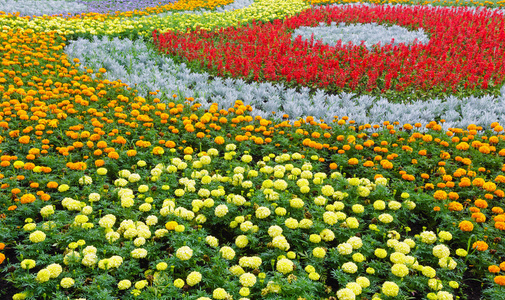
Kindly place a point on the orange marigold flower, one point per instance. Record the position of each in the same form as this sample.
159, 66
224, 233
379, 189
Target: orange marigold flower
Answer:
500, 280
12, 207
480, 246
499, 218
489, 186
101, 144
333, 166
170, 144
499, 193
2, 258
497, 210
453, 196
353, 161
2, 246
27, 198
466, 226
52, 185
368, 163
500, 226
219, 140
479, 217
436, 208
113, 155
474, 209
99, 162
480, 203
440, 195
478, 182
24, 139
29, 166
158, 151
502, 266
259, 141
493, 269
455, 206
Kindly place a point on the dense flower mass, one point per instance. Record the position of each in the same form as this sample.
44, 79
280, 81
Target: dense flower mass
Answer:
127, 191
273, 56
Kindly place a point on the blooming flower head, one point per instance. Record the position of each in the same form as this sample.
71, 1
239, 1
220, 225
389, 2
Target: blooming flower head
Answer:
54, 270
345, 248
124, 284
67, 282
319, 252
346, 294
227, 252
429, 272
428, 237
262, 212
441, 251
356, 242
327, 235
354, 287
350, 267
194, 278
28, 264
184, 253
179, 283
380, 253
219, 293
241, 241
221, 210
390, 289
480, 245
284, 266
400, 270
212, 241
237, 270
379, 205
363, 281
37, 236
386, 218
43, 275
247, 279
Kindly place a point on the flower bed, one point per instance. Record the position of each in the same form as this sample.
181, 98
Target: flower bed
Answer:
462, 57
109, 194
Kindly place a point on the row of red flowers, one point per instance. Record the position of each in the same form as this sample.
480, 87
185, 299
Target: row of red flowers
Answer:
465, 52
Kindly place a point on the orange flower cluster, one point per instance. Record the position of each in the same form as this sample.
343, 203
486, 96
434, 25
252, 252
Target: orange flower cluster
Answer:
2, 256
480, 246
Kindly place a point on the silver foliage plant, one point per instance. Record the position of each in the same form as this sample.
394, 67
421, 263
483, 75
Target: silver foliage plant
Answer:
39, 8
369, 34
